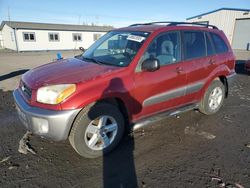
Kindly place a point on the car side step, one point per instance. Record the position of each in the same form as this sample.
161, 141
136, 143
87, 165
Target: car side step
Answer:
155, 118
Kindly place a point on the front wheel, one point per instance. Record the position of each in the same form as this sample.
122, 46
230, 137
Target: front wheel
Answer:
97, 130
213, 98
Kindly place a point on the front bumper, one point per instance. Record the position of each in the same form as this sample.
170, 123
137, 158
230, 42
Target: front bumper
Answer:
54, 125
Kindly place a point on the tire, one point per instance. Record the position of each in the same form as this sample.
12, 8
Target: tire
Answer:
90, 136
208, 104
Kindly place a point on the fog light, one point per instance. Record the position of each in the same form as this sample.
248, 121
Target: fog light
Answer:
42, 125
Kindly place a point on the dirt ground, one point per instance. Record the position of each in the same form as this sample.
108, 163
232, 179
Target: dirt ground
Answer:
190, 150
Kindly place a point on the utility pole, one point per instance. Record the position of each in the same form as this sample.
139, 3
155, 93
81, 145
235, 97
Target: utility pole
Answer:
15, 35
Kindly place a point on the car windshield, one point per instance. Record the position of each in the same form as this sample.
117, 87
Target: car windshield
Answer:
117, 48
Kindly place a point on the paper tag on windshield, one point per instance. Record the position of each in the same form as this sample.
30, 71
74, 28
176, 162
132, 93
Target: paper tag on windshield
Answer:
135, 38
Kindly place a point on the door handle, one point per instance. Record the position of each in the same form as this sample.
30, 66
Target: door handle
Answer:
179, 70
211, 62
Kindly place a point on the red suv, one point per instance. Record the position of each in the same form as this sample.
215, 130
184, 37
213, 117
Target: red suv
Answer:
128, 78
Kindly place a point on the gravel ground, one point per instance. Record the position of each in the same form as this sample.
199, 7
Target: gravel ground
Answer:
191, 150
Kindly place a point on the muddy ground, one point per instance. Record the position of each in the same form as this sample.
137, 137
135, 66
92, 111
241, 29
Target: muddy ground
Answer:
190, 150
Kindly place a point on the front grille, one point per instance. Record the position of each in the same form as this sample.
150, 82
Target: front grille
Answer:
26, 90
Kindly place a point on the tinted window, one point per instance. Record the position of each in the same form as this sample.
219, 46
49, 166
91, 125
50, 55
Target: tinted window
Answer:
219, 44
210, 50
194, 45
165, 48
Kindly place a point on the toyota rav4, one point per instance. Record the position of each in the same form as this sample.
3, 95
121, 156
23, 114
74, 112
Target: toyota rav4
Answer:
128, 78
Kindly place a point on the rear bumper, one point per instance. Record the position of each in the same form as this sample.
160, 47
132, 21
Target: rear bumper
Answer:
54, 125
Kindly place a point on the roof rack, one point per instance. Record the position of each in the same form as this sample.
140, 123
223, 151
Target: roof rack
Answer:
150, 23
192, 23
175, 24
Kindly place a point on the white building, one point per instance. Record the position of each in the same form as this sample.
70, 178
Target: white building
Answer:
234, 22
28, 36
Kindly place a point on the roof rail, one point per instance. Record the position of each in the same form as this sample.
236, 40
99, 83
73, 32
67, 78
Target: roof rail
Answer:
137, 24
192, 23
150, 23
169, 23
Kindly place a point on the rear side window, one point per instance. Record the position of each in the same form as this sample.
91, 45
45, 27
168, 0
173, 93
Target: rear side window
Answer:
194, 44
210, 50
219, 44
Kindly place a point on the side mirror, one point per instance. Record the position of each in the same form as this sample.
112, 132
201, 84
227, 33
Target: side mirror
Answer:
150, 65
82, 49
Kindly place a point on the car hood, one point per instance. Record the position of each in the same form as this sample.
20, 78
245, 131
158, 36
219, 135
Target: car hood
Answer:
66, 71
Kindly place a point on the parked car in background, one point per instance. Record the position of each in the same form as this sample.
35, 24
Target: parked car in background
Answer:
128, 78
247, 66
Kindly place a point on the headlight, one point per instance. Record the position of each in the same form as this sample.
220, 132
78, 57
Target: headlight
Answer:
55, 94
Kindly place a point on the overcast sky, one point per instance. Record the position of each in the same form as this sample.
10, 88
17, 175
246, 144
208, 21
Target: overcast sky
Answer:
110, 12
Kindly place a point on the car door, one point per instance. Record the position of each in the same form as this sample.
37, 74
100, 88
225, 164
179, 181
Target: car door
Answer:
164, 88
195, 55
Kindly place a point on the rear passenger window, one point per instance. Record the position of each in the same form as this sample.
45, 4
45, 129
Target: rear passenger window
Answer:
210, 50
219, 44
194, 44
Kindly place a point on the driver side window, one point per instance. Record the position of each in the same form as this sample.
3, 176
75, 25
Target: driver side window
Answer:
165, 48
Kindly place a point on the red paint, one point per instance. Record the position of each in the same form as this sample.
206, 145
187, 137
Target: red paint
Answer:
97, 82
247, 66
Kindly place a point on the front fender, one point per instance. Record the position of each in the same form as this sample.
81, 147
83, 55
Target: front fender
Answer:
114, 88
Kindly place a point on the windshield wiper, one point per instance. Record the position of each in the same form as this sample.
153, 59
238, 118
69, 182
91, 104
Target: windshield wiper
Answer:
99, 62
93, 60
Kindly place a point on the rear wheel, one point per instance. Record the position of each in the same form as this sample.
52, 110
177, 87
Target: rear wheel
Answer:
213, 98
97, 130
